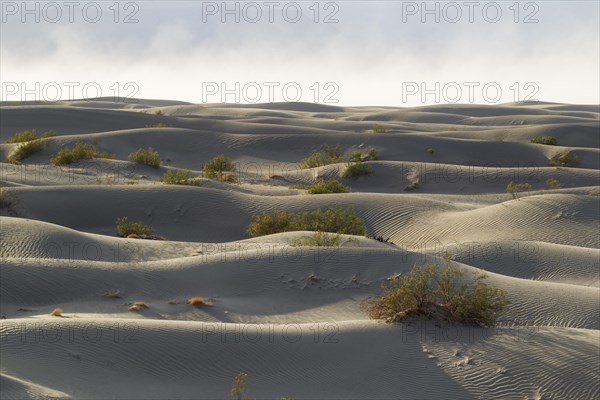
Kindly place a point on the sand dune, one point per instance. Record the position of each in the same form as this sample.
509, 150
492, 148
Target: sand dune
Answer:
279, 311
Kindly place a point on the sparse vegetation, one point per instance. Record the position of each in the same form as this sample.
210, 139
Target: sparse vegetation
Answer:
6, 201
379, 129
353, 171
180, 177
564, 159
158, 125
137, 306
126, 228
326, 187
547, 140
323, 156
199, 301
372, 154
440, 294
146, 157
335, 220
158, 112
355, 156
27, 136
320, 239
239, 387
430, 151
413, 186
552, 183
515, 188
215, 168
80, 151
57, 312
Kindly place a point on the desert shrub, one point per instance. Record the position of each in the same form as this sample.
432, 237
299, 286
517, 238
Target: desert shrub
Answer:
138, 306
323, 156
379, 129
6, 201
158, 125
548, 140
26, 149
428, 291
126, 228
27, 136
553, 183
329, 186
215, 167
199, 301
595, 192
320, 239
355, 156
57, 312
81, 151
353, 171
371, 154
180, 177
430, 151
146, 157
335, 220
158, 112
564, 159
413, 186
515, 188
239, 387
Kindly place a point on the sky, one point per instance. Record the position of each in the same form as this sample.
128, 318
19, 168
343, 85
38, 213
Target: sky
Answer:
347, 53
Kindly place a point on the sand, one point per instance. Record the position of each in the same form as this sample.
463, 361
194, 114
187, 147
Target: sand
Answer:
291, 317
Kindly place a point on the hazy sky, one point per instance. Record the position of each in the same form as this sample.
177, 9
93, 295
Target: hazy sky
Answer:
341, 52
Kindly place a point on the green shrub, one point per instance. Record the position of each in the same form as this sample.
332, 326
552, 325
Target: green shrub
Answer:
146, 157
353, 171
26, 149
239, 387
371, 154
548, 140
180, 177
81, 151
379, 129
158, 125
126, 228
335, 220
413, 186
214, 168
553, 183
27, 136
430, 151
158, 112
323, 156
564, 159
320, 239
515, 188
355, 156
439, 294
326, 187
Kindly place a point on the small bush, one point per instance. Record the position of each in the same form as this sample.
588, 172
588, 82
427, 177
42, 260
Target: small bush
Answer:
564, 159
27, 136
353, 171
138, 306
335, 220
326, 187
57, 312
553, 183
239, 387
126, 228
413, 186
515, 188
158, 112
6, 201
430, 151
199, 301
355, 156
548, 140
26, 149
440, 294
180, 177
372, 154
215, 168
81, 151
379, 129
320, 239
146, 157
323, 156
158, 125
